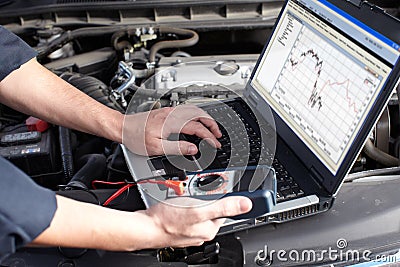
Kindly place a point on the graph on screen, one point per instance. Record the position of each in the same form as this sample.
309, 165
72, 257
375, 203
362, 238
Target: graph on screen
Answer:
323, 89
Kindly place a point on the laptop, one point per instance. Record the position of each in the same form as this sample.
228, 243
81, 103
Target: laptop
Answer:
319, 86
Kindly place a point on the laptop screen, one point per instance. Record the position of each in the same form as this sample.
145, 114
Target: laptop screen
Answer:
321, 73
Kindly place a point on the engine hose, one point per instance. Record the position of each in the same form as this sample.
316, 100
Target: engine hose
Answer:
192, 40
378, 155
94, 88
119, 45
376, 172
66, 153
96, 31
93, 168
148, 105
78, 33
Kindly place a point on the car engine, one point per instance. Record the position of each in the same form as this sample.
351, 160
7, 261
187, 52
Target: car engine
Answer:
137, 66
112, 75
110, 64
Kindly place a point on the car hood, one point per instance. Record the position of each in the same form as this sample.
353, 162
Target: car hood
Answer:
193, 14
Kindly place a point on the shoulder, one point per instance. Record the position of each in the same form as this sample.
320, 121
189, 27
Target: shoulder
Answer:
13, 52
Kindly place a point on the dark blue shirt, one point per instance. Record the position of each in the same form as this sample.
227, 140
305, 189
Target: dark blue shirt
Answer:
13, 52
26, 209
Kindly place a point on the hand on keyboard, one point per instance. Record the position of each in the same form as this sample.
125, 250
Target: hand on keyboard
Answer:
240, 142
147, 133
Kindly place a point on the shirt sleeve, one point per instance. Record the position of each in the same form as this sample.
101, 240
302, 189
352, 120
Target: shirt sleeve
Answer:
13, 52
26, 209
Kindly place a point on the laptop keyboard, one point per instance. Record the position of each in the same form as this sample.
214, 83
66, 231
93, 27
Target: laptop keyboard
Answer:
242, 148
287, 188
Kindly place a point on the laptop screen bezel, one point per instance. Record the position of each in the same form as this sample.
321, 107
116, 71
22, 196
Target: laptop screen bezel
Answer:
374, 18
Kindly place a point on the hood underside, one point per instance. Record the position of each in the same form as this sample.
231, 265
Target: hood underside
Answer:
16, 14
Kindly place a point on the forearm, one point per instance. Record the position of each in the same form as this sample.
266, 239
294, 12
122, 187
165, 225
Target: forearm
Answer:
34, 90
78, 224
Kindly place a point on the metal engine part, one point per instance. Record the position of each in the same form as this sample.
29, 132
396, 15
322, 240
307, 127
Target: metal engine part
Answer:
226, 70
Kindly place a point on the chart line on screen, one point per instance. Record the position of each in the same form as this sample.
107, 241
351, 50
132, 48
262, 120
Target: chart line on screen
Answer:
319, 86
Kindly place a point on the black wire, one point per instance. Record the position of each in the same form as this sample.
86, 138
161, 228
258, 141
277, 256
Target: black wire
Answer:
144, 179
9, 120
12, 129
72, 187
46, 174
116, 170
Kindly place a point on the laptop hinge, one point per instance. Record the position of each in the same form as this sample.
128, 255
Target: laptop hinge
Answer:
356, 2
251, 98
317, 177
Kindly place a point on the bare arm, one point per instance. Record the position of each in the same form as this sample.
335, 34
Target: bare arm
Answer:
78, 224
34, 90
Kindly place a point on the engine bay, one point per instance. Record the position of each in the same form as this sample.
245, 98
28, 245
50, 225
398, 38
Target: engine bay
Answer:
111, 62
52, 155
112, 75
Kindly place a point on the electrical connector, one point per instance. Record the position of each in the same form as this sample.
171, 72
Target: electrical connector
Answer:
35, 124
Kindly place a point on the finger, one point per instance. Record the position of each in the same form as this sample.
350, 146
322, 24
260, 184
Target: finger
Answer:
178, 148
226, 207
232, 206
212, 125
198, 129
196, 113
208, 121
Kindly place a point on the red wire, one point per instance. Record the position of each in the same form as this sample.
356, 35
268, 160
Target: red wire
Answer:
117, 194
177, 186
94, 182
